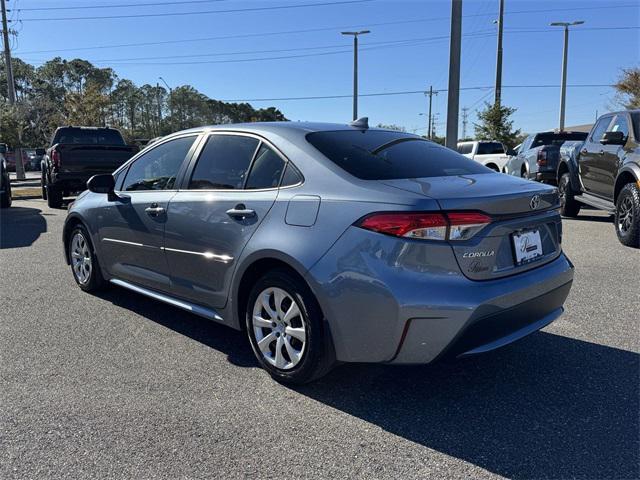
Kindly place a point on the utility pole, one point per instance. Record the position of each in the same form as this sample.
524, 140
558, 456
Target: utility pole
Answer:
159, 108
465, 113
430, 94
11, 88
498, 91
563, 88
355, 68
453, 97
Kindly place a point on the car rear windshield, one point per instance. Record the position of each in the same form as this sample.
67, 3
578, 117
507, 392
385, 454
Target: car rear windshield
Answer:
490, 148
383, 155
557, 138
88, 136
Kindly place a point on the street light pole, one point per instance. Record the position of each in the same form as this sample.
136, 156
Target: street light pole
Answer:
498, 93
563, 88
453, 99
355, 68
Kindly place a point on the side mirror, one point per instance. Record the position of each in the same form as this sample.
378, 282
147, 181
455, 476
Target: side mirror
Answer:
40, 151
102, 184
613, 138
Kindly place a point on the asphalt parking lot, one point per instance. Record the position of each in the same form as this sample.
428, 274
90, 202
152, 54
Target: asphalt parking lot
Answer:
119, 386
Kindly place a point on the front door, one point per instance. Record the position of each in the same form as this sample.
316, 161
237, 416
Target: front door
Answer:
228, 192
590, 160
131, 228
610, 159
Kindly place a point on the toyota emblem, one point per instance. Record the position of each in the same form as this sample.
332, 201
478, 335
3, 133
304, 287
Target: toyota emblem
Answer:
535, 202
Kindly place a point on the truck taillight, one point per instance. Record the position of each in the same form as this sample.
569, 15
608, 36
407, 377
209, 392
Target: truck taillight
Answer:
426, 226
55, 159
542, 157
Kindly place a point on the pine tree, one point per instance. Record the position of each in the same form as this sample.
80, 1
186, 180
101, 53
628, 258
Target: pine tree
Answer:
494, 124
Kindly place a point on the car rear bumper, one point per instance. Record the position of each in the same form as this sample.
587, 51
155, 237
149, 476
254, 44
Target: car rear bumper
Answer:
385, 304
71, 181
546, 176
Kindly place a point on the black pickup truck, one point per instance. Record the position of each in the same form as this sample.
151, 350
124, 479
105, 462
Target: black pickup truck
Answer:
604, 172
75, 155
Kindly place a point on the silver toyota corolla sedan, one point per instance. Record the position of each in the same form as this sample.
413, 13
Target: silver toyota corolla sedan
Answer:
327, 243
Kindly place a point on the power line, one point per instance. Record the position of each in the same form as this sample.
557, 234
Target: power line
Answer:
126, 5
205, 12
406, 92
279, 7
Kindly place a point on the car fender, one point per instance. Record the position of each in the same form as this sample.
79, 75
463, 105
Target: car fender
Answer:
626, 170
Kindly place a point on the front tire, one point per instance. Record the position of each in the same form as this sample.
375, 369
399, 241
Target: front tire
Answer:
286, 329
627, 219
84, 262
54, 196
569, 206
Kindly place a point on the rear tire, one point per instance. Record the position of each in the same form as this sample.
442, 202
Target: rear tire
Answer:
5, 198
569, 206
286, 329
43, 185
54, 197
627, 219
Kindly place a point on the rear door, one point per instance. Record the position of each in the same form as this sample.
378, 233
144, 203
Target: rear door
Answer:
590, 161
227, 192
131, 228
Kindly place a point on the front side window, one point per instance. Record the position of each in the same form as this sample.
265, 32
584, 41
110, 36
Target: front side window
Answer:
600, 128
157, 169
384, 155
620, 125
223, 163
266, 170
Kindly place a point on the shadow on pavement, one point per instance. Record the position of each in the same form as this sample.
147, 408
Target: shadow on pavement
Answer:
546, 407
20, 226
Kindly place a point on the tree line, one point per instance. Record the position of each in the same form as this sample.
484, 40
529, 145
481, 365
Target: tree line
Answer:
75, 92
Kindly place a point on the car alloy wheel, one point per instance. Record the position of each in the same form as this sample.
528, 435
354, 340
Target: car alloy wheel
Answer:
81, 258
279, 328
625, 215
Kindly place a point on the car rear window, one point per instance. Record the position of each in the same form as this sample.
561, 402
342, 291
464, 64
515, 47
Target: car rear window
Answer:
384, 155
86, 136
557, 138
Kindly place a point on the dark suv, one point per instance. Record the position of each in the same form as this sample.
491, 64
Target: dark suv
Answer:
604, 172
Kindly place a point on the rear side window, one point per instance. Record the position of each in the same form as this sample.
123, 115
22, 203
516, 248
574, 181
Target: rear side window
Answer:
224, 162
383, 155
465, 148
266, 170
490, 148
291, 176
157, 169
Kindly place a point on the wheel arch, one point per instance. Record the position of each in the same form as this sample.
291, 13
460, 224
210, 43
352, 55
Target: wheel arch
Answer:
627, 175
72, 221
252, 269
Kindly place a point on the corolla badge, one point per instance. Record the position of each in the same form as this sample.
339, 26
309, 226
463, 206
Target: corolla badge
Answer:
535, 202
486, 253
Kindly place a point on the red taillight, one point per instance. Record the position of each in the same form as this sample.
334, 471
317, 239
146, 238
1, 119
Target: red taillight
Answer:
55, 159
427, 226
542, 157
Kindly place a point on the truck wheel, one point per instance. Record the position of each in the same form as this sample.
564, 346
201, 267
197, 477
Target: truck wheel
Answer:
627, 220
569, 206
523, 172
5, 198
54, 197
43, 185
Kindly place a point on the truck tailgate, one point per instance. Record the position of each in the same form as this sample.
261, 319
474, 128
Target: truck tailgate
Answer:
93, 158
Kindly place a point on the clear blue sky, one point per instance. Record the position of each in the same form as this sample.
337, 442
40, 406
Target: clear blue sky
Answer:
417, 59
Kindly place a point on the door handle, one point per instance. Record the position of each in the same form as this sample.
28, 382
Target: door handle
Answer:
240, 211
154, 210
584, 151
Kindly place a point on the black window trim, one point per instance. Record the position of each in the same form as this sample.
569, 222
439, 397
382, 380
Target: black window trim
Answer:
261, 140
124, 168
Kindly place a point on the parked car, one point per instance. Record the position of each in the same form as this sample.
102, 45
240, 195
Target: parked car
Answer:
5, 183
75, 155
326, 243
34, 159
493, 155
604, 172
538, 156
